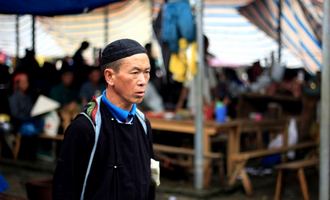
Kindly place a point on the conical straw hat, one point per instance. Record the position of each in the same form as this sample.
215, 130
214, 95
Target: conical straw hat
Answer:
44, 105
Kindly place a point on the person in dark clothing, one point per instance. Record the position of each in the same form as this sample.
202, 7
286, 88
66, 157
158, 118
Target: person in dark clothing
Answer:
107, 150
29, 65
79, 64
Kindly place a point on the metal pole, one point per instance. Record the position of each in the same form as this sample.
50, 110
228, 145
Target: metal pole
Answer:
325, 109
17, 37
106, 25
279, 31
199, 100
33, 33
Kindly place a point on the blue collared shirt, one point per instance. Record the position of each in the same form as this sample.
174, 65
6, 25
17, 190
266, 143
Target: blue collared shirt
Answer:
121, 115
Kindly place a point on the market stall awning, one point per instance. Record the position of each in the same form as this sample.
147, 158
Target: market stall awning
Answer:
50, 7
61, 35
235, 40
301, 26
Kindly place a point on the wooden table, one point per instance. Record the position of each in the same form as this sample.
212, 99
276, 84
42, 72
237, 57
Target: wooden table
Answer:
237, 159
188, 127
248, 126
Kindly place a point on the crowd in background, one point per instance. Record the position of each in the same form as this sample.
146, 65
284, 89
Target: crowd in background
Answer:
76, 83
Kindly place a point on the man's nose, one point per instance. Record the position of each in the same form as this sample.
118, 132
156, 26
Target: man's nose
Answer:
143, 79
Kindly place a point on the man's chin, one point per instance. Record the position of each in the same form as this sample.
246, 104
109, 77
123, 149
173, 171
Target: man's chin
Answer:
137, 100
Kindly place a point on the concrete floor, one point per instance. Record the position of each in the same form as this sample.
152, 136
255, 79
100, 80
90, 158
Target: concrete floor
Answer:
17, 173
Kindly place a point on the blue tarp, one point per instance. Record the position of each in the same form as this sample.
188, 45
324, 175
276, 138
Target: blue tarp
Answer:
50, 7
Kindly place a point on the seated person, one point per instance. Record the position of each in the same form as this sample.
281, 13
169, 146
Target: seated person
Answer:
21, 103
93, 87
67, 96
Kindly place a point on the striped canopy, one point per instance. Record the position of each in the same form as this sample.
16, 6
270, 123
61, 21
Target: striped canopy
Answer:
301, 26
235, 37
61, 35
235, 40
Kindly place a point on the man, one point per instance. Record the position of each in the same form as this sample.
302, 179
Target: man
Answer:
117, 166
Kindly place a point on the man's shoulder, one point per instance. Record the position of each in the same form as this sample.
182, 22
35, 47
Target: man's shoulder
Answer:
81, 124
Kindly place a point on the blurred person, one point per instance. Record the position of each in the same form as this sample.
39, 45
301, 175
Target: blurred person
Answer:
80, 65
93, 87
29, 65
187, 95
66, 94
50, 77
21, 103
107, 150
152, 100
78, 58
4, 87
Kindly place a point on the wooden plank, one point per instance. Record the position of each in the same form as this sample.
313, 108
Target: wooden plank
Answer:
55, 137
184, 151
181, 126
298, 164
264, 152
172, 149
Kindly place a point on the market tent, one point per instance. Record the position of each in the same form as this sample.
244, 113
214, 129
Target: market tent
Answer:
235, 40
301, 26
50, 7
46, 45
61, 35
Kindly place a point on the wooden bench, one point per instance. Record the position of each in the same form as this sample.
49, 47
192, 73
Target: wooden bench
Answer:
161, 152
298, 166
4, 196
58, 137
241, 159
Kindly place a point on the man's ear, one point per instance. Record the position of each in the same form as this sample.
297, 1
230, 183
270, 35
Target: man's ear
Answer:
109, 75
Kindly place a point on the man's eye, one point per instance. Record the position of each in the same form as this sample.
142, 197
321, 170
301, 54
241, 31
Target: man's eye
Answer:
135, 72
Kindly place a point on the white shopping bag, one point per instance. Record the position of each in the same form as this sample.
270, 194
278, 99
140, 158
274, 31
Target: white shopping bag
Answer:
155, 172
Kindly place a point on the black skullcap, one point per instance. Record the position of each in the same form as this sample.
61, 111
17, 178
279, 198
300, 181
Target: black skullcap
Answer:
120, 49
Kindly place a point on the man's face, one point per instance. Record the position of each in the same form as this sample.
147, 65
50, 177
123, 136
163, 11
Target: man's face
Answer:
129, 83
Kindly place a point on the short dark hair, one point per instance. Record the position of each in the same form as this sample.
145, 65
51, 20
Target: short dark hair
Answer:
115, 65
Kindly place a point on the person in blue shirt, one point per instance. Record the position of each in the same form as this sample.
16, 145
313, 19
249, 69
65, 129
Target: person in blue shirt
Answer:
107, 150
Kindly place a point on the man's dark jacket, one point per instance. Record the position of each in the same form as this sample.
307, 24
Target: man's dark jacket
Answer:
121, 165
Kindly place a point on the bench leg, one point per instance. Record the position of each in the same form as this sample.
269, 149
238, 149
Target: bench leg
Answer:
278, 188
303, 184
207, 173
237, 170
221, 171
17, 146
246, 182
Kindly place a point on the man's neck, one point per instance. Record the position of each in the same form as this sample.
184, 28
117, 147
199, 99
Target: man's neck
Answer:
115, 100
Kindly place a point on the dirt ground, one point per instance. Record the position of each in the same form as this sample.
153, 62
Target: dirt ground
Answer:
174, 185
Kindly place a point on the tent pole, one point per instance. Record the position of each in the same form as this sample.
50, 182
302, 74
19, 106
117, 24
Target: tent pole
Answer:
325, 109
198, 139
33, 33
17, 37
279, 31
106, 25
